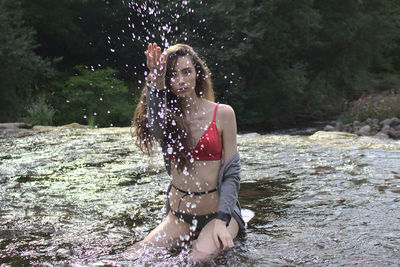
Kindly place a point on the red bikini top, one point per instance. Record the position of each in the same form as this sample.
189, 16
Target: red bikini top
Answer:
209, 146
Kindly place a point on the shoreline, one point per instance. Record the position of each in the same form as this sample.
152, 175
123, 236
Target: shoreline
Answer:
388, 128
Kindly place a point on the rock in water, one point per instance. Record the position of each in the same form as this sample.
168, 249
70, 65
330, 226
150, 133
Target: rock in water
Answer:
365, 130
394, 134
329, 128
331, 135
14, 125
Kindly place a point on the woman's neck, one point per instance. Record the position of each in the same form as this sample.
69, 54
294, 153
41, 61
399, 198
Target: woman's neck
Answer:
192, 106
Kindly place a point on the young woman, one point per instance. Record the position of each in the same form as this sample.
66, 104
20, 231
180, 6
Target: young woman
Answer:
198, 140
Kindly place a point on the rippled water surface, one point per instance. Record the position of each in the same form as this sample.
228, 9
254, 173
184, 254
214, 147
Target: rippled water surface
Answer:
82, 196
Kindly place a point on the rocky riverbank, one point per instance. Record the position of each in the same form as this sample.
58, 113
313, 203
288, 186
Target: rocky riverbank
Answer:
11, 127
389, 128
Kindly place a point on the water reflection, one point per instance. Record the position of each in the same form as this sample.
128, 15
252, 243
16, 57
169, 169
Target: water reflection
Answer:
81, 196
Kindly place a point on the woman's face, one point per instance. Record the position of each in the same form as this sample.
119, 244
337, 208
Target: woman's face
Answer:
183, 77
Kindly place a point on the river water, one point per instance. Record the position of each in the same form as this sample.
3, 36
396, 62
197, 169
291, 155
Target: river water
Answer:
78, 196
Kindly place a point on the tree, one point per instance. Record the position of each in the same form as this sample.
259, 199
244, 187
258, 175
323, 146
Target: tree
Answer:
21, 69
280, 61
93, 97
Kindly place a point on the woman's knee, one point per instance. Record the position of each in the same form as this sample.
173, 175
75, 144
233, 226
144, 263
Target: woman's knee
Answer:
168, 233
199, 255
204, 247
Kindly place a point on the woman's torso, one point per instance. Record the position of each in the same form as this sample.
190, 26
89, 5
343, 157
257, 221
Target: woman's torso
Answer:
202, 176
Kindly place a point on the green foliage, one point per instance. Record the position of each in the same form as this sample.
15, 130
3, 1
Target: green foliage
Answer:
277, 62
93, 97
40, 113
90, 32
266, 51
293, 60
385, 81
21, 69
380, 106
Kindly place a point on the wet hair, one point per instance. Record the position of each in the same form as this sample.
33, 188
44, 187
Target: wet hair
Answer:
203, 86
177, 135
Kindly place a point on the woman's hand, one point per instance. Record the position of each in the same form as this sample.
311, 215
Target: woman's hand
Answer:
221, 236
157, 64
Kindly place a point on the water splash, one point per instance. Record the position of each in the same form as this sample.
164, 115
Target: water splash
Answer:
83, 195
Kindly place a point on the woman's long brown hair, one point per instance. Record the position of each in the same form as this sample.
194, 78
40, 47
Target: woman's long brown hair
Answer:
177, 137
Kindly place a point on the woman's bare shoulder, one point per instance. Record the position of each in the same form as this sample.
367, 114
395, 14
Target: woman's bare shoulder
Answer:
225, 111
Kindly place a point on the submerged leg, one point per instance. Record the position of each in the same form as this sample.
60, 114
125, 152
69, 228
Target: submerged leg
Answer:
204, 247
171, 232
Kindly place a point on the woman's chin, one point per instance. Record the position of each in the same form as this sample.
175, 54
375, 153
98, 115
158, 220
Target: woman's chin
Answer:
184, 92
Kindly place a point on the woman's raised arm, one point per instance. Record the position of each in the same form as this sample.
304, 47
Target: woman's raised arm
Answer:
156, 95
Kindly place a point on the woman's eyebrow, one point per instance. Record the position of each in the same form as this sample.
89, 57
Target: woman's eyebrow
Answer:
187, 68
184, 69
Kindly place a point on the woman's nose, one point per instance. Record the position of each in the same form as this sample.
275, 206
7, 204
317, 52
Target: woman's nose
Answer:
180, 79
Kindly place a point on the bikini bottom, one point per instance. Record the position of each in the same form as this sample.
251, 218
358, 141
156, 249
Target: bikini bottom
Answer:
197, 221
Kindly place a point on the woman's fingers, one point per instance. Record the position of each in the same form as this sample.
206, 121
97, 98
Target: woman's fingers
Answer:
154, 53
164, 57
148, 62
155, 59
227, 242
158, 54
223, 243
230, 243
216, 240
150, 51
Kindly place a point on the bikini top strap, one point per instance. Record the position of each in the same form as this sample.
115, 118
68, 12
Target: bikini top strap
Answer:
215, 112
